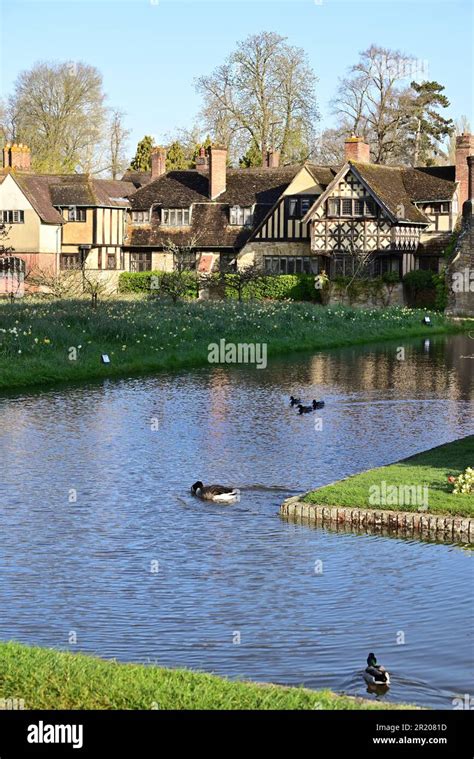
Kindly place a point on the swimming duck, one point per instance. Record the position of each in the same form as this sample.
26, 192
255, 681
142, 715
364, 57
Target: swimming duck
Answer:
294, 401
374, 673
217, 493
308, 409
304, 409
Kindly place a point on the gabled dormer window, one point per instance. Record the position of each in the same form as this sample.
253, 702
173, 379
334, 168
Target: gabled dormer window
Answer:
175, 217
140, 217
241, 216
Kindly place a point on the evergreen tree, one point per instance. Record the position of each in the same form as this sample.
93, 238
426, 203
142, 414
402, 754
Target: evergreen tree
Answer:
426, 128
142, 159
176, 159
253, 157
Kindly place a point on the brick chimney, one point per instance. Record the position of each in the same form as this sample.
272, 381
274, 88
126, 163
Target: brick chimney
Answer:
464, 149
217, 170
158, 162
202, 161
16, 157
356, 149
271, 159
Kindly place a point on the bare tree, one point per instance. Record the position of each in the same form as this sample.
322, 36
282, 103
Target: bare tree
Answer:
262, 95
117, 143
369, 101
185, 257
58, 110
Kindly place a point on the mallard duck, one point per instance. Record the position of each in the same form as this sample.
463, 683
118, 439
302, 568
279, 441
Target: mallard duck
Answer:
217, 493
304, 409
375, 674
294, 401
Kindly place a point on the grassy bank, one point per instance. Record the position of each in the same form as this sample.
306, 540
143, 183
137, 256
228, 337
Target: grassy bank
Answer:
430, 468
47, 679
46, 342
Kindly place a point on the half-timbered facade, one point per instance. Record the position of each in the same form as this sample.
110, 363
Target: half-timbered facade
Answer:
62, 222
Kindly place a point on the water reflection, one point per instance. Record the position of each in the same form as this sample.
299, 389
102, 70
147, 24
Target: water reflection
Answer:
85, 565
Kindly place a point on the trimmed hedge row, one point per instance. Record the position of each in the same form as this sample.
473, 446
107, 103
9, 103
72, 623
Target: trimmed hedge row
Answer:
282, 287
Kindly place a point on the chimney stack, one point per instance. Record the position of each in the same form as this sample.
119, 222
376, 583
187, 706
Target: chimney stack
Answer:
356, 149
464, 149
158, 162
271, 159
217, 170
16, 157
202, 161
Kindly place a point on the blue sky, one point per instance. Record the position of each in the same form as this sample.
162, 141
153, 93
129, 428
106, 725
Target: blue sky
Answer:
149, 51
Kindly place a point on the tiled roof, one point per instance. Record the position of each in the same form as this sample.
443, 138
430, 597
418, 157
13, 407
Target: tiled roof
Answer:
209, 226
210, 219
245, 187
48, 191
137, 178
388, 185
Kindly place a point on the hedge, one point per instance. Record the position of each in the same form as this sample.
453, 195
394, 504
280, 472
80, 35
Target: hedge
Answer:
281, 287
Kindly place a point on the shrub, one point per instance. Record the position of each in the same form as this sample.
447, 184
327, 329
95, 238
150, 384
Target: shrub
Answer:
426, 289
464, 483
152, 282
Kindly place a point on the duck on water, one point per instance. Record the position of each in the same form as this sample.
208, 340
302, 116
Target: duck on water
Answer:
375, 674
216, 493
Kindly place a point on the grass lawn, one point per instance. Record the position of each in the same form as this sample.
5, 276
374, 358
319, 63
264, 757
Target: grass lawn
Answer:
430, 468
44, 342
47, 679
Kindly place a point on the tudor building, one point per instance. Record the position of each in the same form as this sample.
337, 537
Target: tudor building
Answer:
354, 218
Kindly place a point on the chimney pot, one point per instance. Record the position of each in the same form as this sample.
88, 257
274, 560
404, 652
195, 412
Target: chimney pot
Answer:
356, 149
202, 162
272, 159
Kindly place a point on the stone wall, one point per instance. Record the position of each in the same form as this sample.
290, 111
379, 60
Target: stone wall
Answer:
423, 525
460, 271
387, 296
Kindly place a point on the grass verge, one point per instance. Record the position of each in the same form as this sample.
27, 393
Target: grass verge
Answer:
54, 341
48, 679
430, 468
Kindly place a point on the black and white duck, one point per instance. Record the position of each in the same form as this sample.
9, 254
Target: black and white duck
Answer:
294, 401
375, 674
216, 493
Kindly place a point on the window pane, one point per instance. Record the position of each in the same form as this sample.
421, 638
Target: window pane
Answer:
347, 207
298, 266
370, 207
283, 265
333, 207
358, 208
291, 266
292, 207
304, 206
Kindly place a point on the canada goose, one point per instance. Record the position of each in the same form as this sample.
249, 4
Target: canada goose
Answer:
375, 674
294, 401
217, 493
